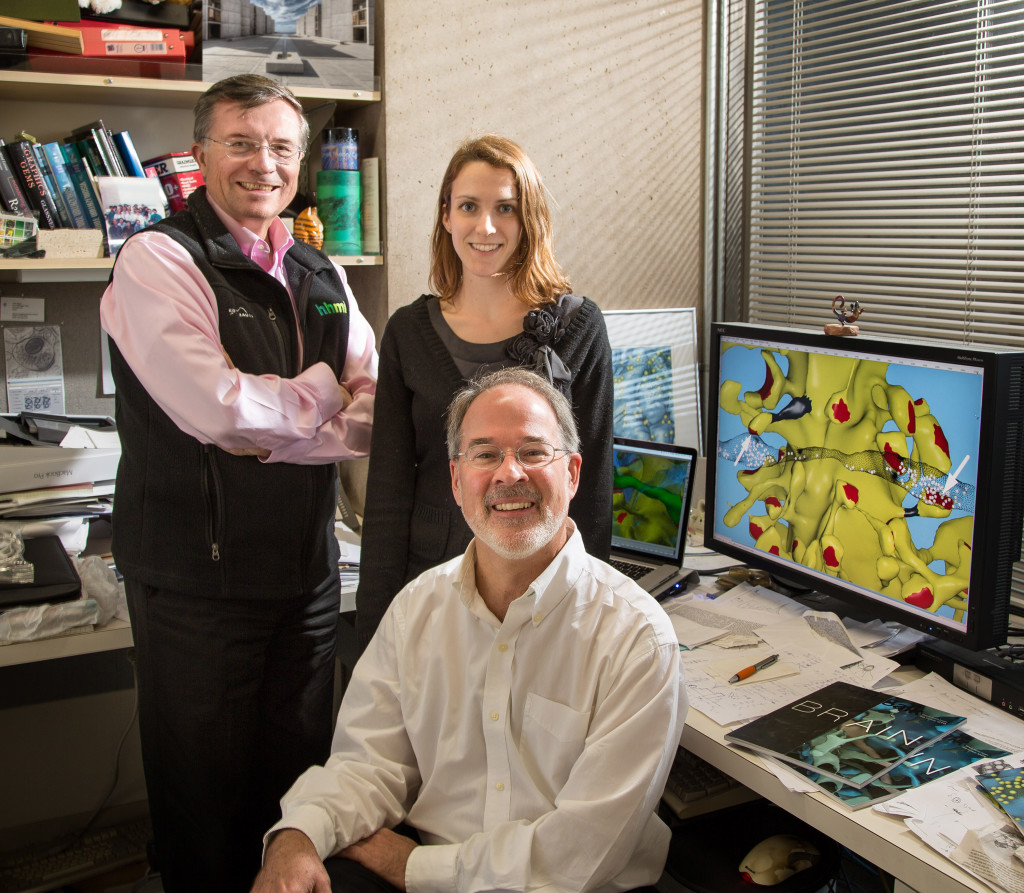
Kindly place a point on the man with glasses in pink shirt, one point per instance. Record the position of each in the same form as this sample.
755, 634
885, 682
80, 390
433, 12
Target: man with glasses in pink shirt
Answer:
244, 372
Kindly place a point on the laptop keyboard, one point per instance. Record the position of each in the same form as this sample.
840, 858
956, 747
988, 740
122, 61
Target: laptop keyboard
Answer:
633, 571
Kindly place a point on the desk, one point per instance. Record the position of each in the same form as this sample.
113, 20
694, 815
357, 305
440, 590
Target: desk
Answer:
882, 840
113, 635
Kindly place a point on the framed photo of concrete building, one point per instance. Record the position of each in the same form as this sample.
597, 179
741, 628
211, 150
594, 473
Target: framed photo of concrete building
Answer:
654, 366
325, 44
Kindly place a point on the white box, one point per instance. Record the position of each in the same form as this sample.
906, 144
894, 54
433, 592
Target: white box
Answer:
34, 467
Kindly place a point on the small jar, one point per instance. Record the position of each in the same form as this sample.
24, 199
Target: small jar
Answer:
340, 149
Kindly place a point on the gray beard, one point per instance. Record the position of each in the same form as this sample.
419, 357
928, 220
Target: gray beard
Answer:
522, 543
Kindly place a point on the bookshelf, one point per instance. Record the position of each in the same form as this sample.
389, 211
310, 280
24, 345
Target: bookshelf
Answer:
155, 111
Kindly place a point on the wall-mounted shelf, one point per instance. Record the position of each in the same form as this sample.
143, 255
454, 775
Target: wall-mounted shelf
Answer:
38, 86
97, 269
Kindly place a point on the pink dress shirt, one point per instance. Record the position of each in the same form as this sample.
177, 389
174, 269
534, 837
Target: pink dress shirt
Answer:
162, 314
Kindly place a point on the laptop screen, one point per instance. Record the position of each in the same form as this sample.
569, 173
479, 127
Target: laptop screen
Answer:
651, 498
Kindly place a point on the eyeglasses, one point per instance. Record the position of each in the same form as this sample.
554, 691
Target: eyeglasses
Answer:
284, 152
486, 457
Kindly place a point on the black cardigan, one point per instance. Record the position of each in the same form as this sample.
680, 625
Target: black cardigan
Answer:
412, 521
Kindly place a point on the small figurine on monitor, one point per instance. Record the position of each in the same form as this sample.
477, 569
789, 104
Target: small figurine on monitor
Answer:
845, 326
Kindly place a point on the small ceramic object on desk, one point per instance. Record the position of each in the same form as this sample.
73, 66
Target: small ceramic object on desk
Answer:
309, 228
845, 326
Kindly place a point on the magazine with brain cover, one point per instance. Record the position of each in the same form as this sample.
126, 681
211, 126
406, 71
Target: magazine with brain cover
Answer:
846, 733
949, 753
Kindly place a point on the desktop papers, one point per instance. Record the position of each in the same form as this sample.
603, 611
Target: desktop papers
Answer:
955, 819
950, 814
348, 564
760, 614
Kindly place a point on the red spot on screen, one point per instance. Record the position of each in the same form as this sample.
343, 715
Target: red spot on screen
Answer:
840, 411
923, 598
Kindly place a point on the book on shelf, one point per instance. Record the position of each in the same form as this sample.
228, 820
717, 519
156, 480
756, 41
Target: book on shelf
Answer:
63, 216
115, 48
949, 753
90, 154
369, 175
23, 161
95, 134
47, 37
11, 193
65, 187
83, 182
126, 150
845, 732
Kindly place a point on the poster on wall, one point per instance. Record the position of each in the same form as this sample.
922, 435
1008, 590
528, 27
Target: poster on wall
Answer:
654, 366
35, 369
326, 44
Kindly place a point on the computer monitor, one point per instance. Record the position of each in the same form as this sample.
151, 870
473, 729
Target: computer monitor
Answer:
887, 474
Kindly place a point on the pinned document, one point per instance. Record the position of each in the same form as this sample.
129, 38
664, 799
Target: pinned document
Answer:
35, 369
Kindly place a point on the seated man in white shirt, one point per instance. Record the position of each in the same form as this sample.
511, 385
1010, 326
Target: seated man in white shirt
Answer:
519, 707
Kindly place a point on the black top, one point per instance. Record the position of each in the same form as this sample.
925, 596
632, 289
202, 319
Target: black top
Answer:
412, 521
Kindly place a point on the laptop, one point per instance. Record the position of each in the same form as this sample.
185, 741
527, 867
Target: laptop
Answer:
653, 484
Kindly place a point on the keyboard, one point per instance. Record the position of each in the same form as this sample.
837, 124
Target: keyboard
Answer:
50, 866
633, 571
695, 786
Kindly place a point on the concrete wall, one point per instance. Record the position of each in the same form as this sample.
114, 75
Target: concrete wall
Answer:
336, 23
605, 95
371, 16
230, 19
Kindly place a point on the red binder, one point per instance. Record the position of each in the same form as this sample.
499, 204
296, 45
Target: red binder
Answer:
127, 50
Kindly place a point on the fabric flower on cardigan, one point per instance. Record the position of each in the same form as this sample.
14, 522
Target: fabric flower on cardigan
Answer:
542, 328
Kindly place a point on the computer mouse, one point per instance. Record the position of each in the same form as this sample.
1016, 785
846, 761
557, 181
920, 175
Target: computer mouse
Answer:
777, 858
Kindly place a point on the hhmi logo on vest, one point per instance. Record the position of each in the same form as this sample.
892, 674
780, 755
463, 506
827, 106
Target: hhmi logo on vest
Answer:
328, 309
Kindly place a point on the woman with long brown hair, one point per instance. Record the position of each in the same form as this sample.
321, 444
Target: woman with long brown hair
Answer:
500, 299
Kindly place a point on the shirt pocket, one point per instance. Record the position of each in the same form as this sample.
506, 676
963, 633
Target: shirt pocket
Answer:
552, 741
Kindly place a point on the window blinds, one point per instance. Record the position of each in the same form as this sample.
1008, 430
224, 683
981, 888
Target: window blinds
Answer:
886, 165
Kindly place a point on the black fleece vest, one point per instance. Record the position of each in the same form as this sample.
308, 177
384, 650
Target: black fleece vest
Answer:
192, 517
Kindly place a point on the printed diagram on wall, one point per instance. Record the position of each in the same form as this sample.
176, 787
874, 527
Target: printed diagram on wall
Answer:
299, 43
35, 369
654, 368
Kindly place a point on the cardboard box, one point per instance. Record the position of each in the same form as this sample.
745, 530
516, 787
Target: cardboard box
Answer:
178, 173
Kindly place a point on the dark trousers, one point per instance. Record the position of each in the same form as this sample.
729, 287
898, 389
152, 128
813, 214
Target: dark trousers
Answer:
236, 700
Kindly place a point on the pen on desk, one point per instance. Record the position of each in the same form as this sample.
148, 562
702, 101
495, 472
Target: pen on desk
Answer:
751, 670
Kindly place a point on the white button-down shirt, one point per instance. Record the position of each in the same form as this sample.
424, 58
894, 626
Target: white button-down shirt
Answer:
530, 754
